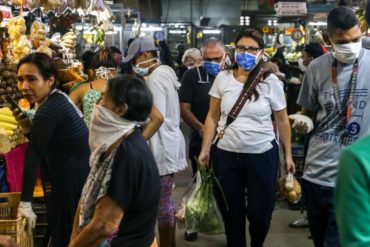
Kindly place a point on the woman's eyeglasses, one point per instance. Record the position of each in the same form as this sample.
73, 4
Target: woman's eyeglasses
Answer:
250, 49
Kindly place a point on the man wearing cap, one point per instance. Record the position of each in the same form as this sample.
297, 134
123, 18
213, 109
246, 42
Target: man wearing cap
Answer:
168, 144
335, 95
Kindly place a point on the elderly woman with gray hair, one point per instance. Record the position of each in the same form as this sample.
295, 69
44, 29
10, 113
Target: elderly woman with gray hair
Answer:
192, 58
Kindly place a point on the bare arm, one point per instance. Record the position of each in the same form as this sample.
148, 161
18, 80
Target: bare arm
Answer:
156, 120
283, 126
77, 95
210, 128
76, 223
189, 118
106, 220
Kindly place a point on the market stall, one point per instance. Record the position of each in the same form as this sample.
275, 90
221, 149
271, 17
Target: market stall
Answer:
63, 30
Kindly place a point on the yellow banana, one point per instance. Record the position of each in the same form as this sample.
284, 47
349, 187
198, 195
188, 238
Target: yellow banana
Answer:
7, 119
8, 126
6, 111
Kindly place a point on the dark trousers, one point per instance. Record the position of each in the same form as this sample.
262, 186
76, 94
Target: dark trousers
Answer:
194, 151
321, 215
256, 174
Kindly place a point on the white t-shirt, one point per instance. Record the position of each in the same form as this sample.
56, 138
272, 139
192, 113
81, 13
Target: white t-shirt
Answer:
252, 130
168, 144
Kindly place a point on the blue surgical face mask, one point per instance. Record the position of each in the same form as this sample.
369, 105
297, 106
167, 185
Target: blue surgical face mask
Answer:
246, 61
212, 68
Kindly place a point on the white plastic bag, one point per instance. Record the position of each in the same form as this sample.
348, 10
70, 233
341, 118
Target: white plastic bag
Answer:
202, 213
189, 193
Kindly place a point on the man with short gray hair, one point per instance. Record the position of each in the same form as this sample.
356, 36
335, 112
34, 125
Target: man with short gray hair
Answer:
194, 98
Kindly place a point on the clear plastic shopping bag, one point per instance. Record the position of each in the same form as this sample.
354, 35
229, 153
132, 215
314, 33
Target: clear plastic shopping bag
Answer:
202, 213
290, 188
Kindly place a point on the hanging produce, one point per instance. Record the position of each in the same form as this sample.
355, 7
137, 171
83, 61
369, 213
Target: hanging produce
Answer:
50, 4
38, 31
69, 47
99, 36
16, 27
104, 15
32, 4
20, 45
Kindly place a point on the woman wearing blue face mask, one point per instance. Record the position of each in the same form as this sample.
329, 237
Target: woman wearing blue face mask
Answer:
246, 156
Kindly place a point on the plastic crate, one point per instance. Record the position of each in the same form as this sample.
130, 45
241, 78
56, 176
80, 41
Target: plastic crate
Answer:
9, 223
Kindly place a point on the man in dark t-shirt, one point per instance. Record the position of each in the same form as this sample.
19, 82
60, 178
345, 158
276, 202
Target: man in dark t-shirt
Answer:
194, 98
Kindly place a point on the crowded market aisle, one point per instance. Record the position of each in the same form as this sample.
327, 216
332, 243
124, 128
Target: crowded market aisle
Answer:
280, 234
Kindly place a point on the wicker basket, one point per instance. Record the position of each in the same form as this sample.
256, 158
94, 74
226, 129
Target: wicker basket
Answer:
9, 224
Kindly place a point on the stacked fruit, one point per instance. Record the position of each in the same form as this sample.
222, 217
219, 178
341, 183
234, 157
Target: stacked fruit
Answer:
9, 125
69, 41
8, 81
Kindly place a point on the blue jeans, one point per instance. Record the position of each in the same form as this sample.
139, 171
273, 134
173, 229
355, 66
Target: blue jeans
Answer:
321, 215
256, 174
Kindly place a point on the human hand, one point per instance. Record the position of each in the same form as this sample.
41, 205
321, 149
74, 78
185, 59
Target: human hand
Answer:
301, 123
289, 164
23, 121
201, 131
25, 211
204, 158
7, 241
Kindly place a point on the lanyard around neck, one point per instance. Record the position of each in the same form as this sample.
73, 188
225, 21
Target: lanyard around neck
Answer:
200, 77
345, 116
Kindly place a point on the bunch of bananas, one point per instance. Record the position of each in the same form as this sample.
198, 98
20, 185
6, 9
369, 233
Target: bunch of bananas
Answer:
362, 20
69, 41
10, 135
99, 36
38, 31
7, 121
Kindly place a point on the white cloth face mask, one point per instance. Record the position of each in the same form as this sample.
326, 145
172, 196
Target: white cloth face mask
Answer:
347, 53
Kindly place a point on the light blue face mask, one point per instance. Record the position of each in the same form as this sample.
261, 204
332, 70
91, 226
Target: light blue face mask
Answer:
246, 61
212, 68
144, 71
